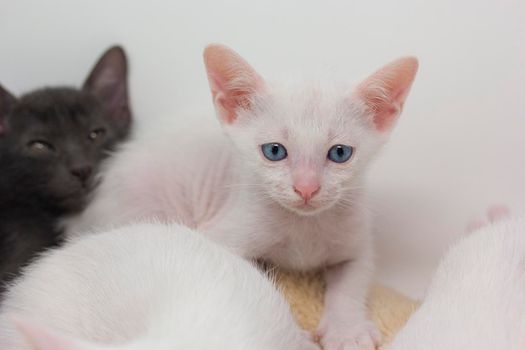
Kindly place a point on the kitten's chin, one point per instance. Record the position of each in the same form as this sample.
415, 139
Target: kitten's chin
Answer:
74, 201
73, 204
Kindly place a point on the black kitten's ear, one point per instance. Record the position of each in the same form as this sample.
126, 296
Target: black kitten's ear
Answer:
7, 100
108, 80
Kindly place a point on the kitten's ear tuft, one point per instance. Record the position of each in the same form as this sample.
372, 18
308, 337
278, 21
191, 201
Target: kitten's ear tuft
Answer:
7, 100
384, 92
109, 81
232, 81
39, 338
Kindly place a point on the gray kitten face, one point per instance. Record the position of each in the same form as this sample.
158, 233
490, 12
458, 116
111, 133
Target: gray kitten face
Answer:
67, 132
63, 134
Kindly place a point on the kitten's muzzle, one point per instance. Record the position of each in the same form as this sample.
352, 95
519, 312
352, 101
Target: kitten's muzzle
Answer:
82, 173
307, 189
306, 182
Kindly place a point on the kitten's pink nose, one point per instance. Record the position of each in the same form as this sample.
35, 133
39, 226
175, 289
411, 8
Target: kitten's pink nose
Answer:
307, 188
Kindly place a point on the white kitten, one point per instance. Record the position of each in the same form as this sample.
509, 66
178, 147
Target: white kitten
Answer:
477, 297
286, 187
147, 287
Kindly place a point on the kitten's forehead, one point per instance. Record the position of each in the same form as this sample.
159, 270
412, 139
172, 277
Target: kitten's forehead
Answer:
62, 108
310, 113
46, 98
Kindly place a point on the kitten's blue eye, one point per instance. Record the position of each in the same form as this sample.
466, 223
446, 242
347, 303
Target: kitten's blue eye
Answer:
340, 153
274, 151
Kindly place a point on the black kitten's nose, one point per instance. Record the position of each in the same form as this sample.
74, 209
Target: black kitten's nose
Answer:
82, 172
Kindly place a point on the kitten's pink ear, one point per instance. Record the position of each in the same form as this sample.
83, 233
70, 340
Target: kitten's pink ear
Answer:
385, 91
6, 103
232, 81
108, 80
39, 338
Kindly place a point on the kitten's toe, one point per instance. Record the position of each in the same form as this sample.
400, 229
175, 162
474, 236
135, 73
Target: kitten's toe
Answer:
494, 214
310, 346
308, 341
498, 212
308, 335
475, 225
363, 336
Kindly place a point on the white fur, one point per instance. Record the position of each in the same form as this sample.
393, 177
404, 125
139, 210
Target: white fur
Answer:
226, 188
477, 297
154, 287
229, 192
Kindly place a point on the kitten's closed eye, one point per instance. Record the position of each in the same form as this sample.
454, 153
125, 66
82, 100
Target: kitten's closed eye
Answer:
40, 147
97, 134
340, 153
274, 151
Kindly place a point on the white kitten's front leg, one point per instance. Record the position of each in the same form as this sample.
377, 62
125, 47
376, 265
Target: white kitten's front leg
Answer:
344, 323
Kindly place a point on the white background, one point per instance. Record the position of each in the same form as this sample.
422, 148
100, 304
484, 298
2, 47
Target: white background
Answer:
458, 145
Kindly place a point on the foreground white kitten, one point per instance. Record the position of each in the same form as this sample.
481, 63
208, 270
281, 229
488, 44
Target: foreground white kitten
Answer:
286, 189
477, 297
147, 287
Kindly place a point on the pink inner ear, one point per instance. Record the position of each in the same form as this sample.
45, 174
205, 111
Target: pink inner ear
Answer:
385, 92
232, 81
228, 100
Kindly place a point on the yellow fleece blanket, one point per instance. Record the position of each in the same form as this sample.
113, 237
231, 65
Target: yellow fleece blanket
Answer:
389, 309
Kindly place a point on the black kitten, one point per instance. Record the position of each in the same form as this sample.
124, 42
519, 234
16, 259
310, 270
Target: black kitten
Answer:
52, 142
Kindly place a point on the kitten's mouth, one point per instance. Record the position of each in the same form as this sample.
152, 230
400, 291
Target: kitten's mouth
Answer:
302, 207
76, 197
305, 207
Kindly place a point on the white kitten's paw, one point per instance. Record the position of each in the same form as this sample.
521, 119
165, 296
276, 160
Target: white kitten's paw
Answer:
310, 345
363, 336
494, 214
498, 212
475, 225
309, 341
308, 335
